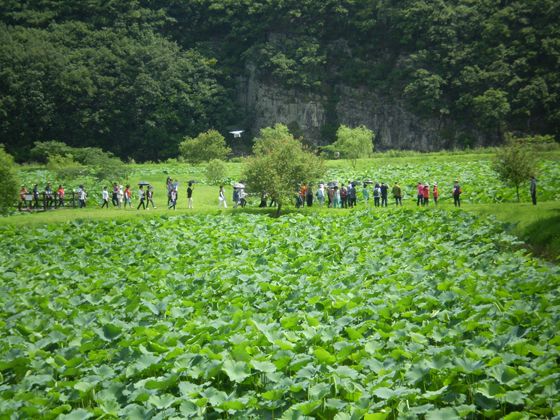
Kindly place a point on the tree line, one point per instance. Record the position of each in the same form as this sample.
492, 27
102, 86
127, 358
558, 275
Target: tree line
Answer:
135, 77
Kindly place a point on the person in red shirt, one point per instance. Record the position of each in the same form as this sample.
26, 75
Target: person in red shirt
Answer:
435, 192
127, 196
426, 194
60, 197
22, 193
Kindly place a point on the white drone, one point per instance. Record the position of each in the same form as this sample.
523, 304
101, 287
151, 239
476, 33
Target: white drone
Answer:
236, 133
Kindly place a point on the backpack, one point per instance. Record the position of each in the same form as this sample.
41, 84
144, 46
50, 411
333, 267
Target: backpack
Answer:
377, 192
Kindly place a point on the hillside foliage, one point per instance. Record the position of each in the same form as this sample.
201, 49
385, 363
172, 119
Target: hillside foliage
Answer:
136, 77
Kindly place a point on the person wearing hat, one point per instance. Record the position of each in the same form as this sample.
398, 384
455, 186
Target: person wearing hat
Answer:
420, 189
384, 190
115, 198
435, 193
397, 194
426, 194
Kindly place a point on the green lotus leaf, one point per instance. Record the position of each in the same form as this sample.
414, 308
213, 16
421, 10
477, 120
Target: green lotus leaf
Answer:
236, 371
79, 414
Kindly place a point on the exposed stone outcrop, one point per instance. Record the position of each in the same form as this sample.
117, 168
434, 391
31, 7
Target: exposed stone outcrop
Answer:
394, 126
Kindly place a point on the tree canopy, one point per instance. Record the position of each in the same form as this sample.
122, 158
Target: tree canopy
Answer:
10, 182
280, 168
135, 77
354, 143
204, 148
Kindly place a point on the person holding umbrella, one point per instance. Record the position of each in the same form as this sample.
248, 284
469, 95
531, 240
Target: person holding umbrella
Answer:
141, 198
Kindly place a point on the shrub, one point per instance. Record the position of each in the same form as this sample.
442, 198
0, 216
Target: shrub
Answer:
216, 171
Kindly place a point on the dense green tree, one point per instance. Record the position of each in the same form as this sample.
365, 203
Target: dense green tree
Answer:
204, 148
514, 164
215, 171
10, 182
279, 169
354, 143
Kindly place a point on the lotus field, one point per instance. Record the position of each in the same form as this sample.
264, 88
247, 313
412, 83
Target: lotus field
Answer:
478, 181
394, 315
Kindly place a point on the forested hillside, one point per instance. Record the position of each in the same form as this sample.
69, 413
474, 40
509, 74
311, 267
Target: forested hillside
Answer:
135, 77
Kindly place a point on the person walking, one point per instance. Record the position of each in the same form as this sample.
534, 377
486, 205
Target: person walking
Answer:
82, 196
384, 191
169, 189
49, 201
457, 194
173, 198
127, 195
336, 197
22, 194
150, 198
426, 194
272, 201
235, 198
222, 197
420, 192
534, 190
435, 194
309, 195
242, 200
397, 194
60, 197
115, 198
330, 195
376, 194
365, 194
105, 197
36, 197
189, 195
141, 198
321, 195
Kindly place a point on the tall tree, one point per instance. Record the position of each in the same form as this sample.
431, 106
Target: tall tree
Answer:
514, 164
204, 148
280, 167
10, 182
354, 143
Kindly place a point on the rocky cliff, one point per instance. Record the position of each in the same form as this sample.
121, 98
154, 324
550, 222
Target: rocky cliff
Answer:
305, 113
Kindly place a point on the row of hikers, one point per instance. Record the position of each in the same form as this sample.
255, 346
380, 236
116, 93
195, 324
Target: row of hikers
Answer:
345, 196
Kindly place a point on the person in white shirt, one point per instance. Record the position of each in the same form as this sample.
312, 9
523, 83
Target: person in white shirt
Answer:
141, 198
242, 195
321, 195
222, 197
105, 196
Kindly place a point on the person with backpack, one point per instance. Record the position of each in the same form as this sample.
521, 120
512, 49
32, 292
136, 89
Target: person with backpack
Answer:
420, 196
141, 198
330, 192
376, 194
105, 197
426, 194
397, 194
384, 191
343, 197
457, 194
435, 193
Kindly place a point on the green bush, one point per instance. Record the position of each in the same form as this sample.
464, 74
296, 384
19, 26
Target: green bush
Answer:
216, 171
10, 182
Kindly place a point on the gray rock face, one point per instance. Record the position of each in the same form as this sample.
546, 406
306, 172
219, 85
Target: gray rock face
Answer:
393, 125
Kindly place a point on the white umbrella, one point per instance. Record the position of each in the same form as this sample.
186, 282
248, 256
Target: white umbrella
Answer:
239, 185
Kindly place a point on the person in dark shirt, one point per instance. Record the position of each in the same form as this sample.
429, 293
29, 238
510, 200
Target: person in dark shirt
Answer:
49, 199
36, 196
384, 190
189, 195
